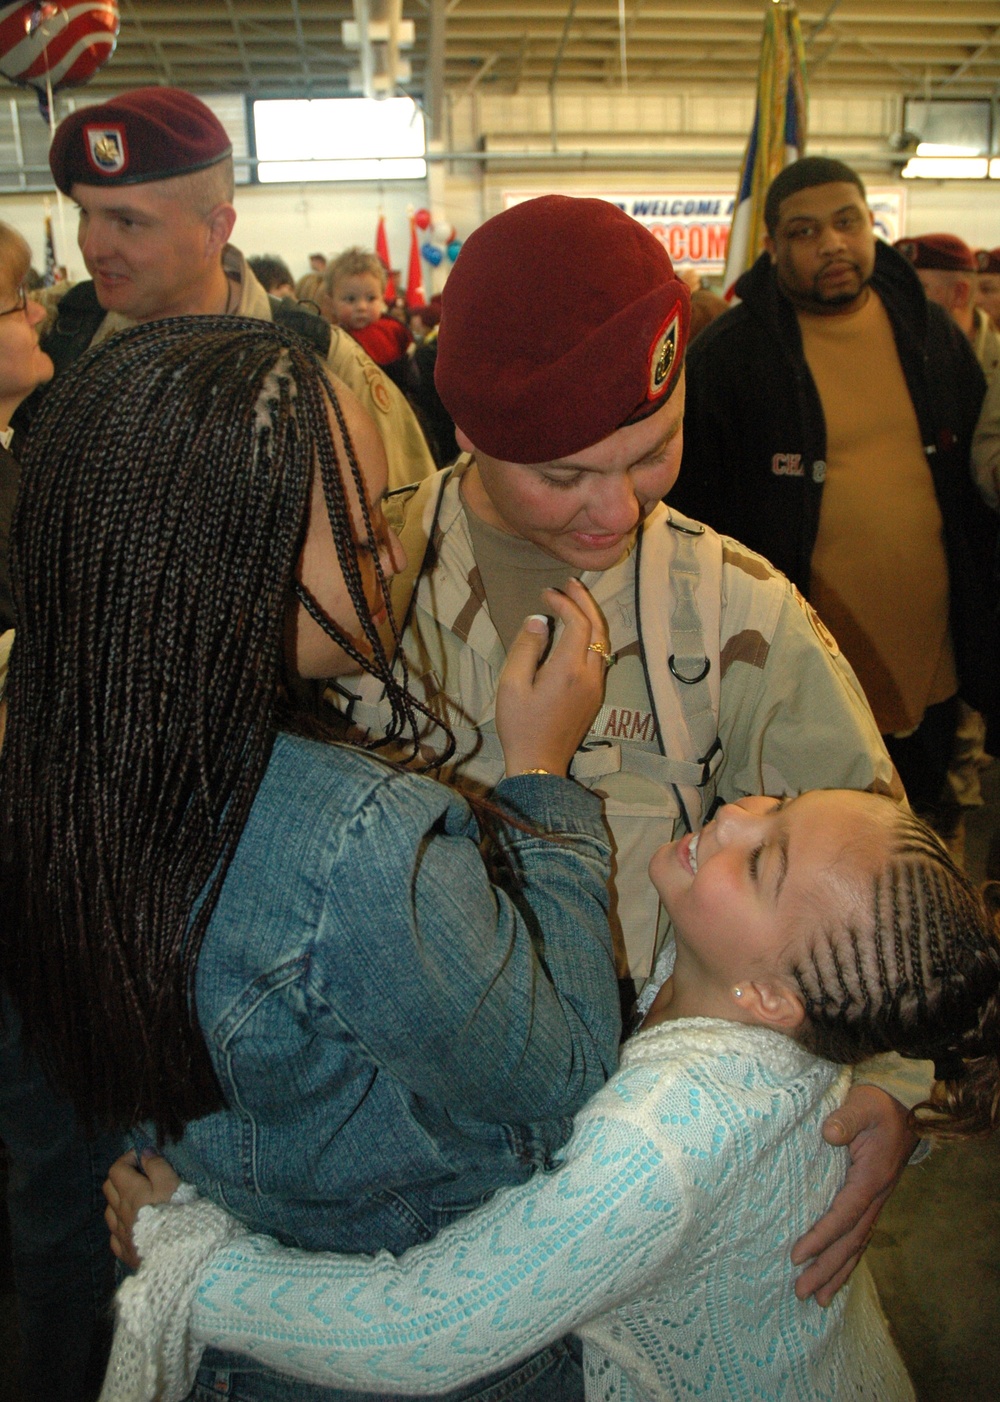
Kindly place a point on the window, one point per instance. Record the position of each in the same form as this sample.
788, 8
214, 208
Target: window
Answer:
953, 138
339, 138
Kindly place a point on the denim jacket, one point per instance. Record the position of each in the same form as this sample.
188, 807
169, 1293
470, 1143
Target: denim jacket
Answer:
396, 1036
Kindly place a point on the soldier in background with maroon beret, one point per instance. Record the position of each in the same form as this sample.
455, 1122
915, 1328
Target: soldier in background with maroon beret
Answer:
152, 174
949, 272
988, 289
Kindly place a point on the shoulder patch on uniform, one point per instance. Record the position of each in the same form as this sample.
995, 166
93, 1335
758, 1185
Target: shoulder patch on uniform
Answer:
750, 647
816, 623
754, 565
378, 388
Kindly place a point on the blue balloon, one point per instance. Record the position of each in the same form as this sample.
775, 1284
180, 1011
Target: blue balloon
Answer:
432, 254
454, 249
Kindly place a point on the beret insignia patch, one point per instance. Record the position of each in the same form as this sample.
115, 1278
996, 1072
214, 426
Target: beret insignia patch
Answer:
908, 249
663, 356
982, 260
106, 149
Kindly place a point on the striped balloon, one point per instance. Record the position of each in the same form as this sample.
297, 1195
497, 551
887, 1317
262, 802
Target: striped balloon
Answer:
65, 43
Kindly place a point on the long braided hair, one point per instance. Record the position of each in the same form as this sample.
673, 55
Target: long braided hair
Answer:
923, 980
165, 494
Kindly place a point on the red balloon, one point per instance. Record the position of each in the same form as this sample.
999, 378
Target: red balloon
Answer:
66, 43
422, 219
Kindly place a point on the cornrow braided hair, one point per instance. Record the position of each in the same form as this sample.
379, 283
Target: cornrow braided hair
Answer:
924, 982
165, 494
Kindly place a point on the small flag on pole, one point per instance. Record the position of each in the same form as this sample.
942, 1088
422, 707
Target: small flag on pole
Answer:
415, 294
778, 136
382, 249
51, 274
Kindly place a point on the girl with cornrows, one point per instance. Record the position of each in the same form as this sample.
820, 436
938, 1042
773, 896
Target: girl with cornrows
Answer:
290, 960
810, 933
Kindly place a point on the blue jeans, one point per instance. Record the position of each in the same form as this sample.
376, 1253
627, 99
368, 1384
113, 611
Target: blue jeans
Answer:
62, 1262
553, 1375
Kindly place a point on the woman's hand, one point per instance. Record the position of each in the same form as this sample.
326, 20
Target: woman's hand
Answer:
129, 1187
544, 710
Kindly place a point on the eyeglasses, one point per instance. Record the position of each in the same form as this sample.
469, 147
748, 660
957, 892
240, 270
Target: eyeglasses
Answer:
20, 304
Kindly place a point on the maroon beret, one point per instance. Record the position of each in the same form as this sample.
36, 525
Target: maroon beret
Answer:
561, 322
946, 252
146, 134
988, 260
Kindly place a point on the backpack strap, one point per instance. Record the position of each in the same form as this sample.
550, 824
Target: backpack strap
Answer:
680, 651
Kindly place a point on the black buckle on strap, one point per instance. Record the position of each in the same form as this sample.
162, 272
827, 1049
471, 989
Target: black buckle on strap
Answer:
707, 767
689, 681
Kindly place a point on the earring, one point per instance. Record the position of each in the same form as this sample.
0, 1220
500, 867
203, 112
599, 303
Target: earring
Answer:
737, 992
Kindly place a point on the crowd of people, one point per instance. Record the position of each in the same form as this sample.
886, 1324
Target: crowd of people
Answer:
487, 924
352, 291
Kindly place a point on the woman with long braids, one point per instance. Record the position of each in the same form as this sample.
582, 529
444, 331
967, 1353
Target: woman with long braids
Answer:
811, 933
289, 959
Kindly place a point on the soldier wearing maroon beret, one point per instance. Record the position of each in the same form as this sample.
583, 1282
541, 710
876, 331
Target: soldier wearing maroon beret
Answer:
949, 272
152, 174
569, 408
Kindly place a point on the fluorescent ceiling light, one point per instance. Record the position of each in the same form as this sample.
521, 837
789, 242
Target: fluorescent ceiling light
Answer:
936, 148
945, 168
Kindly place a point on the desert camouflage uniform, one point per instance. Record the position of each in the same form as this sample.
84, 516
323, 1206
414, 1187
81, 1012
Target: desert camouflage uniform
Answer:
986, 344
778, 710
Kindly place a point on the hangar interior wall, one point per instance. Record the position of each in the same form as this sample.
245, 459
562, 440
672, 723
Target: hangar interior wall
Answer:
684, 140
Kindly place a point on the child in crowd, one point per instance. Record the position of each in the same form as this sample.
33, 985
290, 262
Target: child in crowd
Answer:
356, 283
811, 933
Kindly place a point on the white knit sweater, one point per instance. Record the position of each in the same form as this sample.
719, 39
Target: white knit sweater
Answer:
663, 1240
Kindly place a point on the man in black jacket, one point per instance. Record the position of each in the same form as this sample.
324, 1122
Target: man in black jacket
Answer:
828, 425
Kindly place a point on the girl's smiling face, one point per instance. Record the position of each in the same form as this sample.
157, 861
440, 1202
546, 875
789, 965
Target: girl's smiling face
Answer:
763, 872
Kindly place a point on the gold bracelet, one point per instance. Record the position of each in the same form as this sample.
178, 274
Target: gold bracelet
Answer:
535, 771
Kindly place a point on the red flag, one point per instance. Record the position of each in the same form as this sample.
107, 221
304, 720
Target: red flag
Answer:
415, 294
382, 249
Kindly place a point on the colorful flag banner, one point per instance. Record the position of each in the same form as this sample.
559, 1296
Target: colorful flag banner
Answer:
778, 136
382, 249
415, 294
